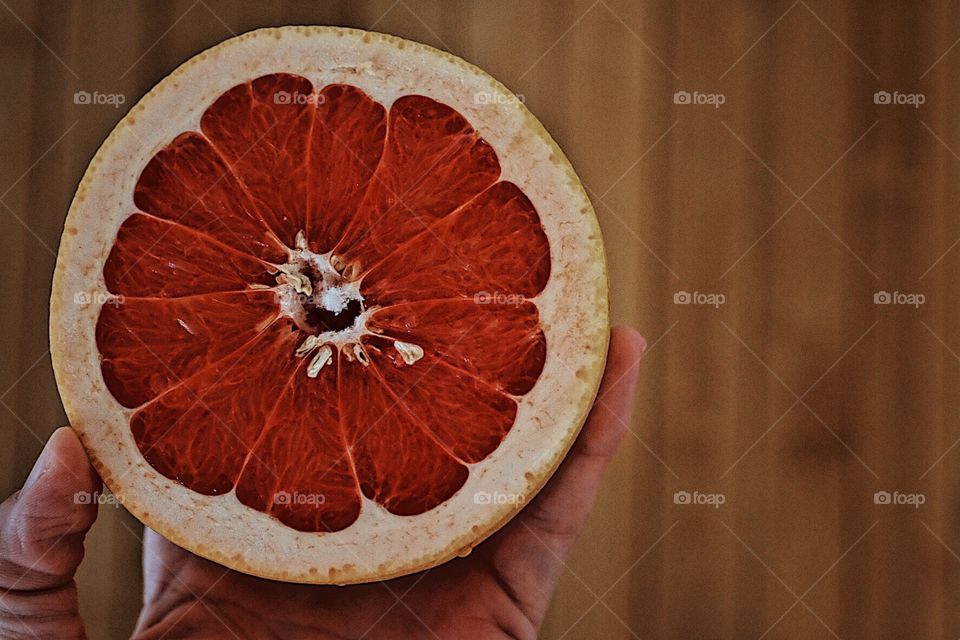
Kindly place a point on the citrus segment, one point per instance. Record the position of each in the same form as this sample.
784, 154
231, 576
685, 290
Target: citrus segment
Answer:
466, 416
149, 344
200, 431
346, 146
189, 183
497, 341
398, 465
433, 161
297, 472
157, 258
262, 131
494, 243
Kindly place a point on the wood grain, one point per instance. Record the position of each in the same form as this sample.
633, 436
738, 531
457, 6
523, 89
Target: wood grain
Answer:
797, 199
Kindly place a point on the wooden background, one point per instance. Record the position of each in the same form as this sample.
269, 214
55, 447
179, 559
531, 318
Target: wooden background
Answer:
797, 199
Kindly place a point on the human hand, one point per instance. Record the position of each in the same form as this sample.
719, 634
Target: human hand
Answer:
42, 528
501, 590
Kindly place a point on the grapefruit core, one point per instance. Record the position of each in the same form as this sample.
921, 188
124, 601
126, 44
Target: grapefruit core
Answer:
330, 306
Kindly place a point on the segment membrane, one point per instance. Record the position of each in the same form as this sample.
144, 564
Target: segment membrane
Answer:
497, 340
200, 432
345, 150
398, 464
465, 415
262, 131
149, 344
299, 471
156, 258
188, 182
493, 245
432, 163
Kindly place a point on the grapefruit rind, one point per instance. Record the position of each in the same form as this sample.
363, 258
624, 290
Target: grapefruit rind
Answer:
573, 310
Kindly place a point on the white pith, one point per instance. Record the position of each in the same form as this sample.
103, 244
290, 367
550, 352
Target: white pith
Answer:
572, 310
295, 288
410, 352
332, 291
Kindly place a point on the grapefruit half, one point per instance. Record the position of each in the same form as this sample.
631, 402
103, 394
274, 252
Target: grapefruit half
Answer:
330, 306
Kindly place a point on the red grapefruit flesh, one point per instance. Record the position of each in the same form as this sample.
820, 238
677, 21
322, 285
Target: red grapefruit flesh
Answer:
347, 316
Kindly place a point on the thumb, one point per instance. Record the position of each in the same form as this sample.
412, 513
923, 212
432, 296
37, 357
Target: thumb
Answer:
531, 549
558, 514
42, 528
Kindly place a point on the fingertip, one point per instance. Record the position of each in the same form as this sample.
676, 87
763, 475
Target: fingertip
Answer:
66, 443
154, 541
64, 460
628, 335
627, 346
609, 418
43, 526
559, 513
62, 483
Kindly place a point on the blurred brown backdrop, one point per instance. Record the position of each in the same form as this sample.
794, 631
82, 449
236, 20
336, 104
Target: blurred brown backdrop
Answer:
798, 199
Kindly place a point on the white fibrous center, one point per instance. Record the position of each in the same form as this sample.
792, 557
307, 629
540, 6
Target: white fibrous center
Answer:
335, 298
317, 292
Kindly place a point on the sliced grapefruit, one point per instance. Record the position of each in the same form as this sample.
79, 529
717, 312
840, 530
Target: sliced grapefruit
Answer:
330, 306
